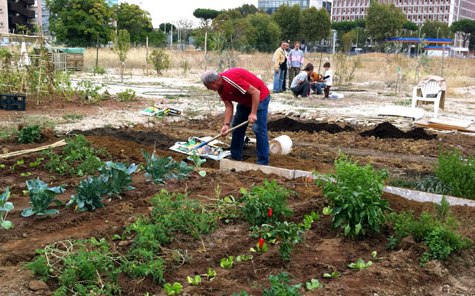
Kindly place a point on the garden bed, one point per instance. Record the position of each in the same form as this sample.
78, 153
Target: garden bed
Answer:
394, 272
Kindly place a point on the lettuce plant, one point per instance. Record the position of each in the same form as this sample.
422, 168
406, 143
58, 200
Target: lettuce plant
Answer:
41, 195
174, 289
5, 207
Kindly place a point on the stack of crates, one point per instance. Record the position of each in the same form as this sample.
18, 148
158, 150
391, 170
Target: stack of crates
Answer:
12, 102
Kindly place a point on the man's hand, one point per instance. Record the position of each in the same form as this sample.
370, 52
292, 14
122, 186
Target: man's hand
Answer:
252, 118
224, 129
276, 71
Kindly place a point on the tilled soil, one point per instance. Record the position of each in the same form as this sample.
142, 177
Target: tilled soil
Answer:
396, 272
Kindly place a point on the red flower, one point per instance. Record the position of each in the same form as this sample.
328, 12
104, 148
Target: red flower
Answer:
269, 213
261, 243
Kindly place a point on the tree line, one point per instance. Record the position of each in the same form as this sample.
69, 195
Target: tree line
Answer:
245, 28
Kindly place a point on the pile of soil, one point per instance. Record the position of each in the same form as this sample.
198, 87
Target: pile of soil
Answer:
386, 130
287, 124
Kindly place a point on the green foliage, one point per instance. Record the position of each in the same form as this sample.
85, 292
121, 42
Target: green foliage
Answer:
133, 19
29, 134
41, 195
127, 95
355, 198
84, 267
211, 274
121, 48
227, 209
432, 184
174, 289
315, 24
205, 14
160, 60
159, 170
258, 201
313, 284
227, 263
117, 177
78, 158
436, 29
89, 92
289, 19
5, 207
280, 285
458, 173
89, 194
197, 162
360, 264
384, 20
288, 234
466, 27
266, 32
194, 280
36, 163
332, 275
438, 232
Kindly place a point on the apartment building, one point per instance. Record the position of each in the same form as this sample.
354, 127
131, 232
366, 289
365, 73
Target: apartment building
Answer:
19, 12
417, 11
270, 6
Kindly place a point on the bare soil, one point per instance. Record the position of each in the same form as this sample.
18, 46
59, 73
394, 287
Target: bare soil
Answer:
397, 272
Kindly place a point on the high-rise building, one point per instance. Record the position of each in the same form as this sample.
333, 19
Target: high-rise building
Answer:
19, 13
270, 6
417, 11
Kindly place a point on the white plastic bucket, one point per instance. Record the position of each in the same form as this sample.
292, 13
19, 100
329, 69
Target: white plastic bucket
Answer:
281, 145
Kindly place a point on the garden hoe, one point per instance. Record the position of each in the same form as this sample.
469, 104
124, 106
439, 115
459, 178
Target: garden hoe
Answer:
219, 135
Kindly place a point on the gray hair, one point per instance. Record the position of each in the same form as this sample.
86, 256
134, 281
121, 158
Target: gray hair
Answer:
209, 76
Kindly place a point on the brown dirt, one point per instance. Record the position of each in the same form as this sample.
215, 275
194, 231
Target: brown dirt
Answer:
395, 273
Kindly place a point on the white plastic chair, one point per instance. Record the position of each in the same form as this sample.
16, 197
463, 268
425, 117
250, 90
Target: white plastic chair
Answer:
430, 92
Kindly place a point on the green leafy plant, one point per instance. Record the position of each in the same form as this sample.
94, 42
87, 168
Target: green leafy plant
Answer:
211, 274
19, 162
197, 162
227, 209
127, 95
159, 59
313, 284
227, 263
25, 174
165, 168
355, 198
5, 207
332, 275
360, 264
29, 134
243, 258
89, 194
84, 267
77, 157
36, 163
194, 280
280, 285
89, 92
41, 195
457, 172
327, 211
242, 293
266, 203
173, 289
117, 176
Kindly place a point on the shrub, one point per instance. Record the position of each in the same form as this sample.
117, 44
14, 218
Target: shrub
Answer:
439, 232
266, 203
29, 134
355, 198
159, 59
458, 173
127, 95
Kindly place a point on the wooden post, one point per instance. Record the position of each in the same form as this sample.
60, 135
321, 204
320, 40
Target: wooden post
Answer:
146, 55
97, 56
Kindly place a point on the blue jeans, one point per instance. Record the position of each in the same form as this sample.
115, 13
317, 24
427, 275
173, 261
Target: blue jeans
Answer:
278, 80
318, 87
260, 130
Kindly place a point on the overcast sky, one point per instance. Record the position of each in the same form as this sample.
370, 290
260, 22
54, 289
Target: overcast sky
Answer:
169, 11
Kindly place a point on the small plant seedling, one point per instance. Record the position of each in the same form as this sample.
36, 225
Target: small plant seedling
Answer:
332, 275
197, 162
227, 263
194, 281
327, 211
25, 174
36, 163
243, 258
173, 289
360, 264
5, 207
17, 163
261, 246
313, 284
211, 274
2, 166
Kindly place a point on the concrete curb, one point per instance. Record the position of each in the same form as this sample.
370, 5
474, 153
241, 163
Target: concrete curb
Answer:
239, 166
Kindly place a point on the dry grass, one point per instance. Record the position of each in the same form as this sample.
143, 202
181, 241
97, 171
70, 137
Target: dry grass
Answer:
377, 67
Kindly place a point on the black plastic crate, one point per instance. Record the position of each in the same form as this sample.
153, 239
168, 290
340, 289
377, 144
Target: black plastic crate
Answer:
13, 102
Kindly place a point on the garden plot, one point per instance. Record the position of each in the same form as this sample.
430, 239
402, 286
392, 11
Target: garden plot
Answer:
323, 250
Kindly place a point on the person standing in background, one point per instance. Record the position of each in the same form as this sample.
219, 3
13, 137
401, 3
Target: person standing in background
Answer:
280, 65
296, 59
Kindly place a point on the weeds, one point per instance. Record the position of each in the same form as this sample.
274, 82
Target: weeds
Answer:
29, 134
280, 285
127, 95
458, 173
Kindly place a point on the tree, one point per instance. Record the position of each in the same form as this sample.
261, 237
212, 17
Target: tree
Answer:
267, 32
410, 26
288, 18
315, 24
80, 22
347, 41
434, 29
384, 20
206, 16
121, 47
135, 20
160, 60
466, 28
